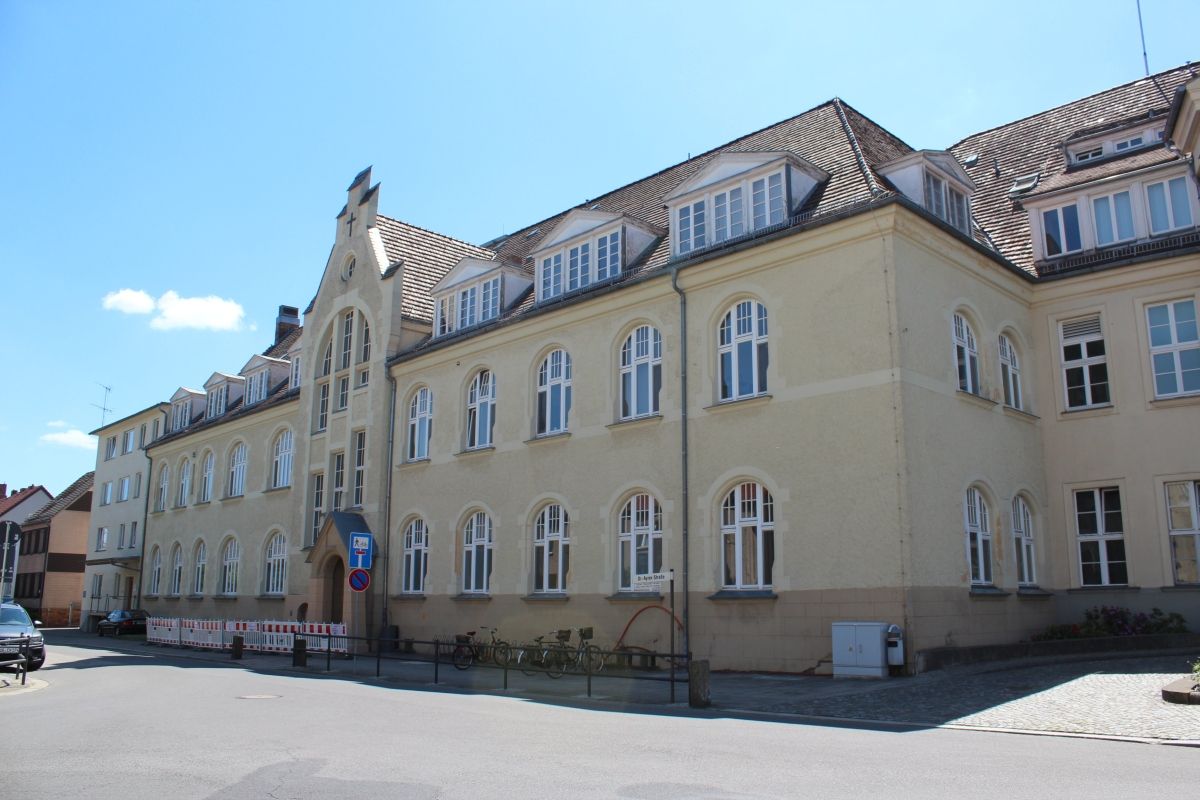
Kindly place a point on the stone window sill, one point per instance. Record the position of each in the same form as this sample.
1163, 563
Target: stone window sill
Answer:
543, 597
549, 437
1183, 587
743, 594
635, 422
1171, 402
472, 596
1110, 588
276, 597
1033, 593
277, 489
1090, 411
475, 451
409, 598
415, 462
740, 402
988, 591
225, 598
194, 597
977, 399
1024, 416
639, 596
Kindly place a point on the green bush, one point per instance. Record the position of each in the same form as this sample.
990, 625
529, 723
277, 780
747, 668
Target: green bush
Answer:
1115, 621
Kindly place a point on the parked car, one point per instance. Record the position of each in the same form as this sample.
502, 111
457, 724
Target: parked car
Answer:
123, 621
15, 624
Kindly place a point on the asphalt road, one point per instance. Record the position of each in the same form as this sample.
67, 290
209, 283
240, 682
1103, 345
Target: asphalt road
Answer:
121, 725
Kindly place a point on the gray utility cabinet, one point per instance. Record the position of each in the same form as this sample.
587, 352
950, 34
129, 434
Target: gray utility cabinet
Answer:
860, 650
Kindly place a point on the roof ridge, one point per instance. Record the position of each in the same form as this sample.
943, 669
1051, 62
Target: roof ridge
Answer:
1187, 65
872, 184
433, 232
883, 128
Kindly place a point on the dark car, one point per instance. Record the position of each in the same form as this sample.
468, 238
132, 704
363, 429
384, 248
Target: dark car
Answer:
15, 625
124, 621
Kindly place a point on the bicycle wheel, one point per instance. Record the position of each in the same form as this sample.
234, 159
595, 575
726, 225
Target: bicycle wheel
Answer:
501, 653
482, 653
527, 660
556, 662
462, 657
593, 658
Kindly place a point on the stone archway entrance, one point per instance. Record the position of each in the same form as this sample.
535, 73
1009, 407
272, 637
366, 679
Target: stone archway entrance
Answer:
335, 590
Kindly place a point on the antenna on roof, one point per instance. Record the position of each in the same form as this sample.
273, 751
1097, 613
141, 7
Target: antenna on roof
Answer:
1142, 31
104, 409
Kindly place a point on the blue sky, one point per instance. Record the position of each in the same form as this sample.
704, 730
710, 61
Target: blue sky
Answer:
196, 153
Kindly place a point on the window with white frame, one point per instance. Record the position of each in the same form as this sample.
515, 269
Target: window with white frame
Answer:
364, 351
123, 489
742, 351
580, 265
477, 553
339, 480
127, 441
1060, 229
1099, 525
747, 537
347, 339
160, 498
551, 549
691, 228
318, 504
728, 214
281, 460
1085, 363
481, 410
257, 386
730, 211
121, 536
1169, 205
323, 406
1128, 143
185, 483
554, 393
180, 415
275, 565
237, 471
416, 557
206, 478
1010, 373
137, 484
176, 583
216, 401
1174, 347
551, 284
110, 447
946, 202
155, 572
200, 561
106, 493
639, 540
133, 539
1114, 218
977, 520
102, 538
641, 372
467, 306
443, 313
608, 256
327, 359
1090, 153
343, 393
467, 309
295, 384
1022, 527
359, 486
230, 558
420, 424
1183, 522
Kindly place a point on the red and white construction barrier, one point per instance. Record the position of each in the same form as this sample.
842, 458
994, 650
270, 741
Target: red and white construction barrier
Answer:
264, 636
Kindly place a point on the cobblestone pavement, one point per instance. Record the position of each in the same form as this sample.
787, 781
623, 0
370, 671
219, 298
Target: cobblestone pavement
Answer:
1107, 697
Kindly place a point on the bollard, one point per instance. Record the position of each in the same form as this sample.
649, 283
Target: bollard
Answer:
235, 651
299, 652
698, 694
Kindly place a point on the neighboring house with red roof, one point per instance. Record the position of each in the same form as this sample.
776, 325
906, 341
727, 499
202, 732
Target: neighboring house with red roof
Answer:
820, 374
49, 578
15, 506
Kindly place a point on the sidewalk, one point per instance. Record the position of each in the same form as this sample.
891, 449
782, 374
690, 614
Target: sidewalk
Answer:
1116, 697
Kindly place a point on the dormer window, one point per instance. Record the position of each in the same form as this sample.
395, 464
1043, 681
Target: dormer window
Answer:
216, 401
256, 387
946, 202
180, 414
470, 305
1089, 154
580, 265
1061, 228
1128, 144
722, 215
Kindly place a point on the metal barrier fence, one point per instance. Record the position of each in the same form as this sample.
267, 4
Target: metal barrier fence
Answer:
264, 636
16, 655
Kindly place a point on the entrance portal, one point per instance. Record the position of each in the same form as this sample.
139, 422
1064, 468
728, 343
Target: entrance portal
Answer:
336, 589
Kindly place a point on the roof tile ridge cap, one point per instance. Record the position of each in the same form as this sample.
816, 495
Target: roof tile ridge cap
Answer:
433, 233
876, 189
875, 124
1186, 67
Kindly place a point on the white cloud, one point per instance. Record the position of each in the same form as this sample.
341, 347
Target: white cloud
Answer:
211, 312
202, 313
56, 423
129, 301
71, 438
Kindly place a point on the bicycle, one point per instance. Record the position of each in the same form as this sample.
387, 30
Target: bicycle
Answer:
467, 650
586, 657
544, 656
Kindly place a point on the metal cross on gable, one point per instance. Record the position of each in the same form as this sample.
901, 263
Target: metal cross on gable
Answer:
350, 224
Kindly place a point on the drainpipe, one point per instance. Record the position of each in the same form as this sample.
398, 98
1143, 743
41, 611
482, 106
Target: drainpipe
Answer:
683, 451
145, 519
387, 503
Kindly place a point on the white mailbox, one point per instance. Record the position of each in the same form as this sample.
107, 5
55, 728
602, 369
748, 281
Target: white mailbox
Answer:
860, 650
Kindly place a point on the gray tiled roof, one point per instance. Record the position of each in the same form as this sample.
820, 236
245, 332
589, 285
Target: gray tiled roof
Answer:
67, 498
425, 257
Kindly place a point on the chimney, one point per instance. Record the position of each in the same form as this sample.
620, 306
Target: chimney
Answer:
4, 491
287, 321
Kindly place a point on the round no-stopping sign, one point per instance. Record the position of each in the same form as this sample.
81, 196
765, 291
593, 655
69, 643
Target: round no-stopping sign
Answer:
359, 579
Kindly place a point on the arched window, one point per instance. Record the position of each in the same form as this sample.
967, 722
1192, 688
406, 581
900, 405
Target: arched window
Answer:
966, 356
481, 410
416, 557
185, 483
979, 537
1010, 373
327, 359
639, 539
1023, 539
281, 463
420, 424
155, 571
641, 372
554, 393
477, 554
742, 351
347, 339
229, 567
164, 480
201, 559
237, 471
748, 537
275, 565
551, 549
206, 478
176, 569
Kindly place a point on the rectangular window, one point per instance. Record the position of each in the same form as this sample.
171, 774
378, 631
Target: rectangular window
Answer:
133, 540
766, 200
323, 407
1183, 522
347, 339
935, 195
106, 495
110, 447
360, 466
295, 371
489, 301
318, 504
445, 316
1128, 144
1061, 229
137, 485
121, 536
608, 256
690, 231
957, 210
579, 270
123, 489
127, 446
728, 213
1114, 218
1174, 348
142, 435
1085, 364
339, 479
466, 307
1169, 206
1098, 523
552, 277
1090, 154
102, 538
343, 397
